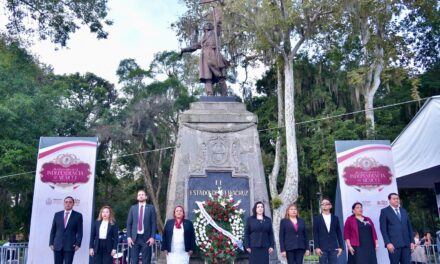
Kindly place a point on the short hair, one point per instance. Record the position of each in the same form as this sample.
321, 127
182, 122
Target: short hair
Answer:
354, 205
69, 197
254, 210
141, 190
326, 198
391, 194
288, 208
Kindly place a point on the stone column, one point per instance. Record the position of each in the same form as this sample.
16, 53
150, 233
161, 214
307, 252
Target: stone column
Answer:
217, 145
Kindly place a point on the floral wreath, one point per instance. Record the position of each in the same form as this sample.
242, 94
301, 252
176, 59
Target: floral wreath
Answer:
217, 246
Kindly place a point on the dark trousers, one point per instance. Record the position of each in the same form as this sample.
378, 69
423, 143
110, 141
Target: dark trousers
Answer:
102, 256
401, 255
141, 246
329, 257
63, 257
295, 256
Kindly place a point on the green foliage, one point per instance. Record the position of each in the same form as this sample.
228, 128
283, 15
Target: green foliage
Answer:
142, 118
323, 93
276, 202
56, 20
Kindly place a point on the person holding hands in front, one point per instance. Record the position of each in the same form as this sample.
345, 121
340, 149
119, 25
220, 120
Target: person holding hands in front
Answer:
397, 231
327, 234
66, 233
259, 238
141, 229
293, 236
104, 237
179, 239
360, 237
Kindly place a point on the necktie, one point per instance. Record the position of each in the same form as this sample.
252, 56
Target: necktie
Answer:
66, 215
398, 214
141, 218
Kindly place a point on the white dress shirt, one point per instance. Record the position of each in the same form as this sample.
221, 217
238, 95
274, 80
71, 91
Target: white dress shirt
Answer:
103, 229
327, 220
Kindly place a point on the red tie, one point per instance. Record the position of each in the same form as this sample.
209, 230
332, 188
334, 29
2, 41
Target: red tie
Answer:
65, 218
141, 218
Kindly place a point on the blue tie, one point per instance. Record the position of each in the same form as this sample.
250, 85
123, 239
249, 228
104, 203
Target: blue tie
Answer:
398, 214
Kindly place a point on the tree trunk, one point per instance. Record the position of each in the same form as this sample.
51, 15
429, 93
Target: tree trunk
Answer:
276, 166
289, 193
290, 190
150, 190
277, 161
370, 90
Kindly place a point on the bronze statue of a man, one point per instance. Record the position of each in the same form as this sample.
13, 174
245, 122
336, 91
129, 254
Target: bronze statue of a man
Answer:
212, 66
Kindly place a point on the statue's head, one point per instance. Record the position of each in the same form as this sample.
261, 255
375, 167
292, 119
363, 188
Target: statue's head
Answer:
208, 26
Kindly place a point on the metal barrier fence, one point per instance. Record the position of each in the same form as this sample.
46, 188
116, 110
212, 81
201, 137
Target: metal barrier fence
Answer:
123, 253
14, 253
429, 254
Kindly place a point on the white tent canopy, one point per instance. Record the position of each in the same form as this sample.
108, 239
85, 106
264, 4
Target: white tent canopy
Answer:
416, 151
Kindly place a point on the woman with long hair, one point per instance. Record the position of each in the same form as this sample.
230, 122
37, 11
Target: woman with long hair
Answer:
293, 236
258, 234
179, 239
360, 237
104, 237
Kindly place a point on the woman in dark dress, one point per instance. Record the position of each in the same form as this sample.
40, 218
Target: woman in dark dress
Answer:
104, 237
258, 234
360, 236
293, 236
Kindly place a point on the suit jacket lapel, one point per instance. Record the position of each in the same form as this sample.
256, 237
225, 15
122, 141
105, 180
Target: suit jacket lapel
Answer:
323, 223
98, 226
109, 229
332, 223
136, 213
293, 226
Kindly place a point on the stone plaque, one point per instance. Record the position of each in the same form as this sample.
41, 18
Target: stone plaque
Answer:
200, 187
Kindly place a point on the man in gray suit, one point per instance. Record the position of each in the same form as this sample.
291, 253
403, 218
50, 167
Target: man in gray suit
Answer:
141, 229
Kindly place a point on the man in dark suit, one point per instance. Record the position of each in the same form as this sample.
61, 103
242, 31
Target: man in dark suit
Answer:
396, 231
327, 234
141, 229
66, 233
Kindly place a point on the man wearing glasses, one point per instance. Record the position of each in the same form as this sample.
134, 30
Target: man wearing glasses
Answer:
66, 233
327, 234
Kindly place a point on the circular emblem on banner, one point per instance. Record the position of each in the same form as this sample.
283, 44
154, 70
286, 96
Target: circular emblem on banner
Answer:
66, 172
367, 173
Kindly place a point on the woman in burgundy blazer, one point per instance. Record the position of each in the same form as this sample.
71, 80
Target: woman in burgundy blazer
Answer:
360, 236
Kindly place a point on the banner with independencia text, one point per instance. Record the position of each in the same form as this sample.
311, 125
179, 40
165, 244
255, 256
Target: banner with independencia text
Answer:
366, 175
65, 167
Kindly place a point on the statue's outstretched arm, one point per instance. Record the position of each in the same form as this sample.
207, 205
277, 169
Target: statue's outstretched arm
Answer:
191, 48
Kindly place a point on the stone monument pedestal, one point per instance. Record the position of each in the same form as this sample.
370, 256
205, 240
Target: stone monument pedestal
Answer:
217, 147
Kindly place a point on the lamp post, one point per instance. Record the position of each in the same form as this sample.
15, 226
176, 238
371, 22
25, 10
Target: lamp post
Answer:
318, 194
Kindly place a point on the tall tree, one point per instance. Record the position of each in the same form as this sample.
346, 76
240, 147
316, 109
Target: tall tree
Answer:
372, 27
283, 27
56, 20
148, 123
